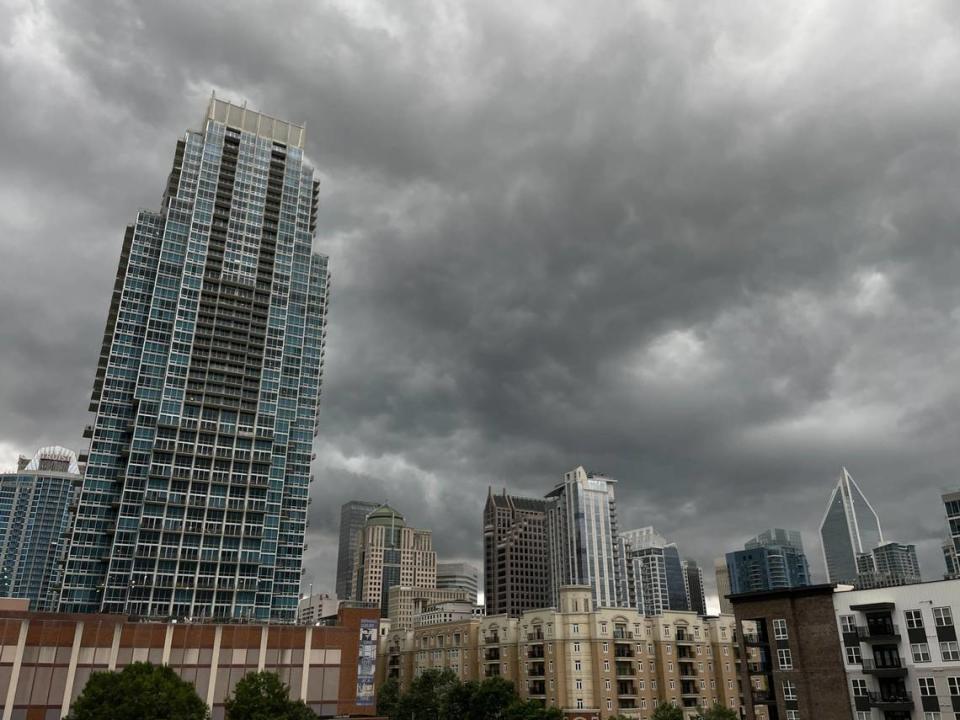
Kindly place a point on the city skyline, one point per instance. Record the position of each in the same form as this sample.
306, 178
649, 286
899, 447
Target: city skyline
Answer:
720, 299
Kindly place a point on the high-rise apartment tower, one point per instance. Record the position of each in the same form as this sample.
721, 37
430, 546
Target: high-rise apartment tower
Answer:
951, 546
582, 536
35, 514
194, 501
773, 560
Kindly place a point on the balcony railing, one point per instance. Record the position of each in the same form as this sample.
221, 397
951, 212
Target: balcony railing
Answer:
890, 668
535, 636
622, 635
891, 701
878, 632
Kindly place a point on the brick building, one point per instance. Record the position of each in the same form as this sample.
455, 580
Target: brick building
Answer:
47, 658
793, 667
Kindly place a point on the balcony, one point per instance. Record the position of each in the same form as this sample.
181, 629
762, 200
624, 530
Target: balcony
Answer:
624, 669
535, 651
492, 655
537, 688
763, 697
888, 633
623, 651
622, 635
889, 669
535, 636
536, 669
684, 638
626, 688
902, 701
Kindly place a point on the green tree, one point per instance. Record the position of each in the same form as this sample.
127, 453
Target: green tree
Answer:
491, 699
262, 696
531, 710
388, 696
426, 697
719, 712
665, 711
140, 691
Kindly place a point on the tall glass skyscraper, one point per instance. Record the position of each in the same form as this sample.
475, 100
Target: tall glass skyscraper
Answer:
194, 501
850, 527
35, 504
353, 516
582, 538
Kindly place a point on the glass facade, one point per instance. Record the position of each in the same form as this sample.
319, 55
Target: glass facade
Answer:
581, 520
771, 561
194, 500
849, 527
352, 517
35, 505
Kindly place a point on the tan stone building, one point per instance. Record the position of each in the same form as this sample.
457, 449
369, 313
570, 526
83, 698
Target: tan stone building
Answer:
592, 663
405, 603
392, 554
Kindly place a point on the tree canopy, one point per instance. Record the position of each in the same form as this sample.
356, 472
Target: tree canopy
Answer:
439, 695
719, 712
262, 696
140, 691
665, 711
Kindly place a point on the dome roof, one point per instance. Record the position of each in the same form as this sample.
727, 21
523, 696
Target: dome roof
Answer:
385, 515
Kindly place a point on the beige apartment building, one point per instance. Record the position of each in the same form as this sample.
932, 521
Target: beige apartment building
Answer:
591, 662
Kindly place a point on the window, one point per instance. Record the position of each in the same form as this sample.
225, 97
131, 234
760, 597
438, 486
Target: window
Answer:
954, 684
848, 624
793, 715
859, 687
928, 688
920, 652
606, 647
606, 666
579, 703
579, 684
931, 716
789, 690
914, 619
603, 628
670, 666
853, 655
673, 684
780, 629
606, 683
950, 651
576, 631
576, 647
942, 617
609, 703
863, 715
576, 665
785, 659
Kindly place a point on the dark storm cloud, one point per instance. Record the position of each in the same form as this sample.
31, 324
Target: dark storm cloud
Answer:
710, 251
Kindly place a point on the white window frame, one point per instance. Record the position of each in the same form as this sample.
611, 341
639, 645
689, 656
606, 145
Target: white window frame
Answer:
848, 623
853, 655
780, 629
858, 687
789, 690
943, 616
784, 659
950, 651
913, 619
928, 686
920, 652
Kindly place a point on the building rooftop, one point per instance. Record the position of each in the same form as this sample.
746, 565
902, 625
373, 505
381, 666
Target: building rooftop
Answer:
385, 515
265, 126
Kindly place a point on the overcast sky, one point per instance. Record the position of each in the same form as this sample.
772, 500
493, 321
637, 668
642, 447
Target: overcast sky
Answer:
708, 248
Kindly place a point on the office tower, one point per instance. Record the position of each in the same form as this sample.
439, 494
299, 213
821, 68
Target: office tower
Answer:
951, 546
655, 577
582, 535
515, 569
194, 500
849, 527
888, 565
34, 515
723, 584
353, 515
458, 576
404, 603
693, 584
772, 560
392, 554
